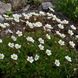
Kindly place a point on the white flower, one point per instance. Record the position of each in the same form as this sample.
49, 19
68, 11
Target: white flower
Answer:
29, 24
1, 56
13, 38
36, 57
41, 47
51, 9
49, 17
61, 42
60, 26
26, 16
73, 27
58, 20
57, 32
48, 26
65, 22
16, 17
30, 39
19, 33
2, 25
42, 13
41, 40
17, 46
70, 32
6, 24
62, 35
57, 63
1, 41
34, 13
30, 59
37, 24
11, 45
48, 52
76, 36
48, 36
6, 16
54, 17
14, 57
68, 58
49, 14
72, 44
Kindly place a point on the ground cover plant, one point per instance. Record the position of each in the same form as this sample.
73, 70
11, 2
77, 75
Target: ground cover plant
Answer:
38, 45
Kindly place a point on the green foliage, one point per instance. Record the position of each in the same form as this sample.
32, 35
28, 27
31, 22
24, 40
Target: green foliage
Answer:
68, 7
9, 13
44, 67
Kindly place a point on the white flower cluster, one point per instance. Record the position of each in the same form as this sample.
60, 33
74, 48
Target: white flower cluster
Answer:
31, 59
13, 56
32, 25
47, 27
4, 25
12, 45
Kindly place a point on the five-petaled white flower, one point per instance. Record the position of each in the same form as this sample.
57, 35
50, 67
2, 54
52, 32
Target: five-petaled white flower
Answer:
17, 46
48, 36
30, 59
48, 52
57, 62
72, 44
30, 39
41, 47
73, 27
60, 26
1, 56
41, 40
11, 45
14, 56
19, 33
13, 38
36, 57
61, 42
70, 32
68, 58
1, 41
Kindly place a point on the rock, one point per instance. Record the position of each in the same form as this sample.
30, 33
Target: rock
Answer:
46, 5
1, 19
17, 4
4, 7
26, 8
